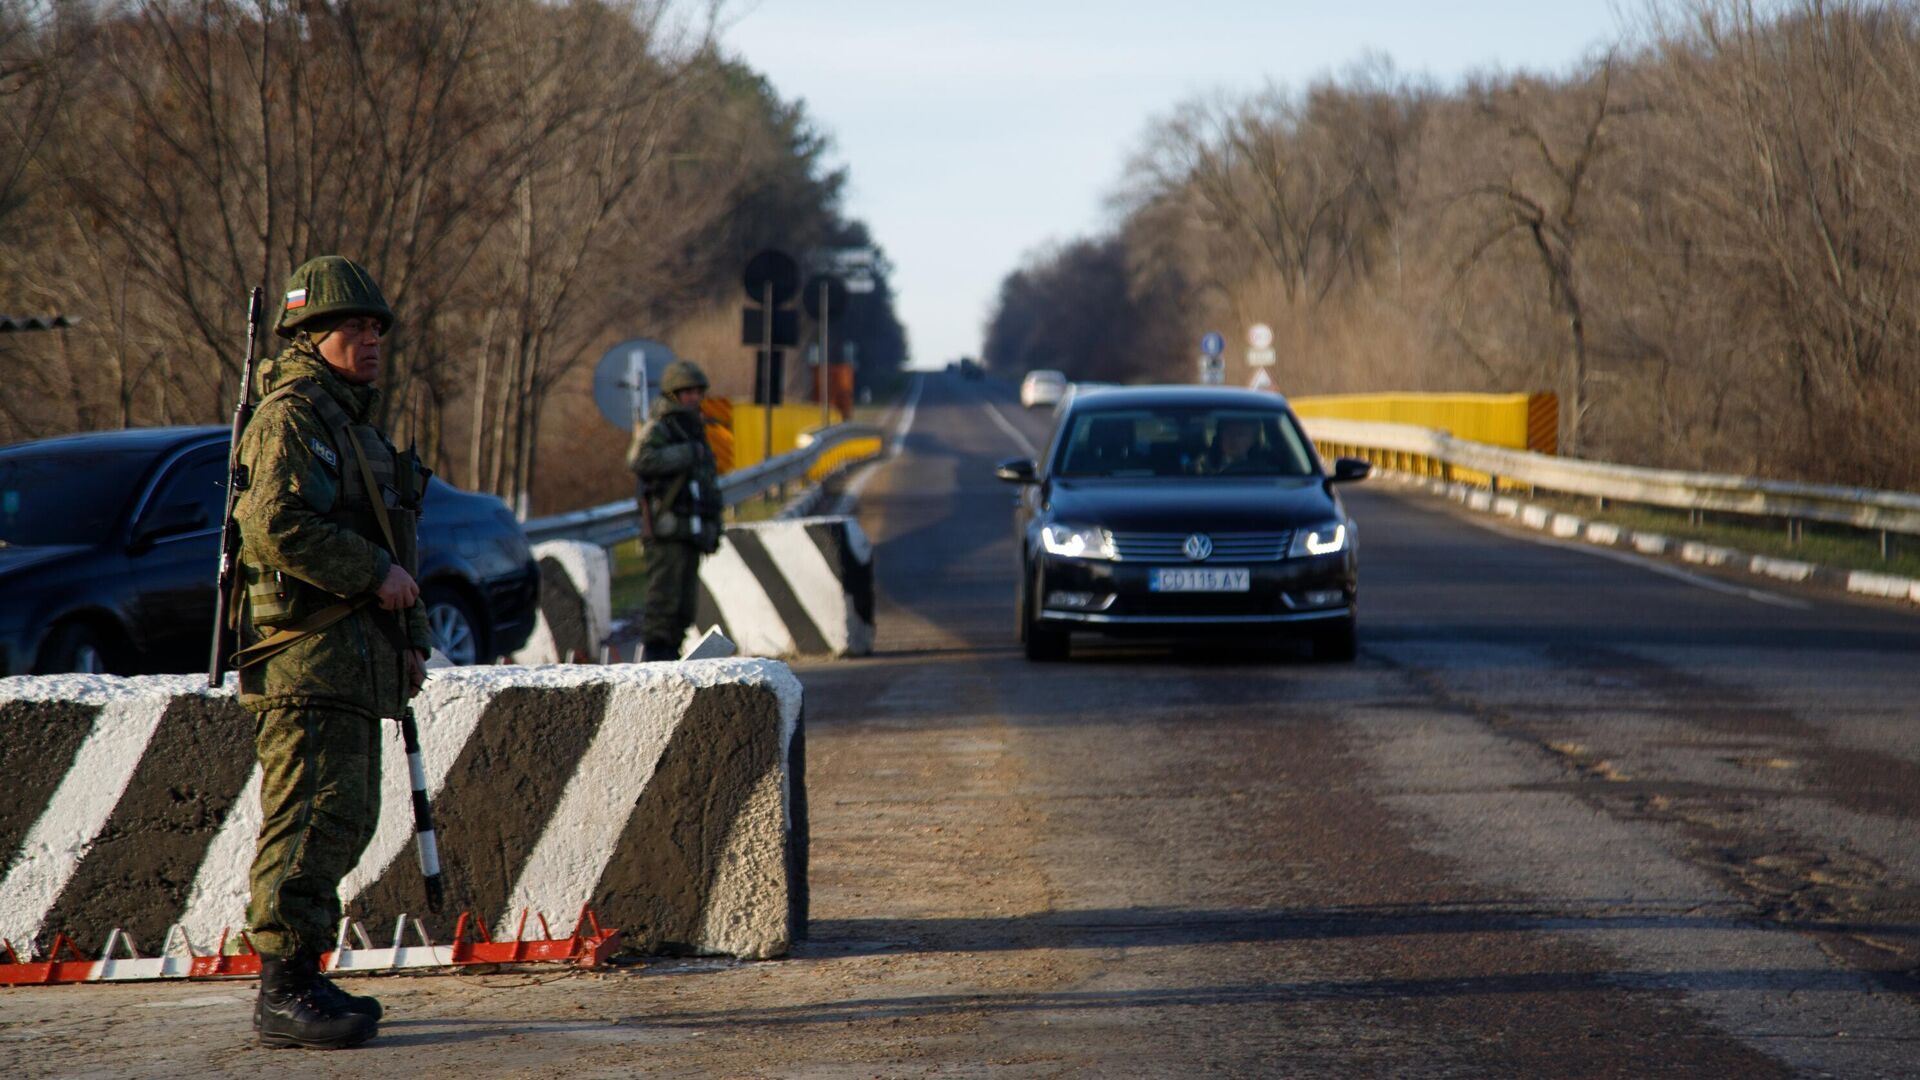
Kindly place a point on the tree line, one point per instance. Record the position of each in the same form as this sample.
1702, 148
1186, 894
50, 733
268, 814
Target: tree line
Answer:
1704, 239
529, 181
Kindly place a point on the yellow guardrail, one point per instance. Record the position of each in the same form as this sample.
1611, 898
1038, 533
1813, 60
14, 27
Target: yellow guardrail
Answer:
1516, 421
844, 454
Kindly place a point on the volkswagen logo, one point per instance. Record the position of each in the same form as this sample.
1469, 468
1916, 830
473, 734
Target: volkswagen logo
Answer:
1198, 546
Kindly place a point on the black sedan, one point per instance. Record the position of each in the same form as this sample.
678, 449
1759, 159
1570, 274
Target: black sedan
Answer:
110, 543
1178, 511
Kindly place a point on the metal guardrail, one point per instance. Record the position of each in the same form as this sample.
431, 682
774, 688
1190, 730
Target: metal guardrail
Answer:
1861, 508
619, 521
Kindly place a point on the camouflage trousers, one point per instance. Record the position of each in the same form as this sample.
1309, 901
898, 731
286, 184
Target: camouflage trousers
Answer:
673, 591
319, 802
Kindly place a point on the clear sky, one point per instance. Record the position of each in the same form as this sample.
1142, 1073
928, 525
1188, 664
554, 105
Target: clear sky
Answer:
976, 132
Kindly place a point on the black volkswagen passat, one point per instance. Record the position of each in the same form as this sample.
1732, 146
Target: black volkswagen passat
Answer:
110, 544
1182, 510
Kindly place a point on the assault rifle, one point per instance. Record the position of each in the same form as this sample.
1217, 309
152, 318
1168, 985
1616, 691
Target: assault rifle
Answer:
225, 605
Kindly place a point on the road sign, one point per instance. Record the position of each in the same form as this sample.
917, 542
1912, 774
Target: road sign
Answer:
1213, 344
620, 380
1260, 381
753, 326
1260, 357
1260, 336
857, 266
775, 268
1213, 371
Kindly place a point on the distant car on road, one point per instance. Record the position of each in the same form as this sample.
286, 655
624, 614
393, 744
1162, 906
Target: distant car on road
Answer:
1182, 511
1042, 387
109, 545
1074, 390
971, 369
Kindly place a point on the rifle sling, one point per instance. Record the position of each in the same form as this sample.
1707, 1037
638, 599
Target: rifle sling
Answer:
286, 637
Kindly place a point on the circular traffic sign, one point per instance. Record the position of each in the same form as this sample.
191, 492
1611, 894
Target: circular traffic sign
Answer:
621, 378
1212, 344
772, 268
836, 297
1260, 335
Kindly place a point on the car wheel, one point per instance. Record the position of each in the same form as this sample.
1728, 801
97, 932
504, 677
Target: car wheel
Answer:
454, 627
1339, 643
73, 647
1043, 643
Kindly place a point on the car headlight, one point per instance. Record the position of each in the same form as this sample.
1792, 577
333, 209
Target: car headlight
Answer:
1320, 540
1077, 541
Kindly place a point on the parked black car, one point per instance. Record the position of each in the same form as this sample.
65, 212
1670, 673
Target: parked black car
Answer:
1178, 511
110, 543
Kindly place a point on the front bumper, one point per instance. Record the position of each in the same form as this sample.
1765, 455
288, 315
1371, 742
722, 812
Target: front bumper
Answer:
1115, 597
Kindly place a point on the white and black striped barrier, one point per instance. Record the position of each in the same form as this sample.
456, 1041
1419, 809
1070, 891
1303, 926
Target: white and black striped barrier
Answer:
576, 604
793, 587
669, 797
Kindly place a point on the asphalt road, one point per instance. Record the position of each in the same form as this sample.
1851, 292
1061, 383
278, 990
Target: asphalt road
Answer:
1568, 815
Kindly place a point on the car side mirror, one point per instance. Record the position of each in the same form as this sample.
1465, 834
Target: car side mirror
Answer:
1348, 469
1017, 471
169, 521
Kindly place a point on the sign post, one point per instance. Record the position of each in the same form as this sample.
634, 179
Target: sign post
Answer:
772, 278
825, 301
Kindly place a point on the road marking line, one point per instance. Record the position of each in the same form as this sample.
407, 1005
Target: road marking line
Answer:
850, 496
907, 413
1006, 425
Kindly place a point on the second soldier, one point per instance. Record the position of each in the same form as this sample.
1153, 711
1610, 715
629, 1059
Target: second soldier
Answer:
681, 506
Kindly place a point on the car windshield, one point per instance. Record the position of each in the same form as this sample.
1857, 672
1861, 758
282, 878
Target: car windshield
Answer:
1184, 441
65, 496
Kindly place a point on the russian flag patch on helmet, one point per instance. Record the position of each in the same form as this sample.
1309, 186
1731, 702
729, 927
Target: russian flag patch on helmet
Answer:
296, 299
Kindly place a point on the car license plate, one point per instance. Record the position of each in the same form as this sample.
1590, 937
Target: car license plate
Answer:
1199, 579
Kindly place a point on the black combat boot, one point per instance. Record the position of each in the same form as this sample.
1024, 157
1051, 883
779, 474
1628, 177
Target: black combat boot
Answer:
327, 990
294, 1010
353, 1003
658, 650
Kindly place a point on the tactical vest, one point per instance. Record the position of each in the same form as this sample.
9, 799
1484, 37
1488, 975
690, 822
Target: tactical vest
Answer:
276, 599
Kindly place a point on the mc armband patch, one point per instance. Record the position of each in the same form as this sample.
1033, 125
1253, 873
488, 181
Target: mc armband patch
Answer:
323, 451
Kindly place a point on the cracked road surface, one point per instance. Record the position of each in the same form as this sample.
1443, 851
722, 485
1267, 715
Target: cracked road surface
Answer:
1564, 817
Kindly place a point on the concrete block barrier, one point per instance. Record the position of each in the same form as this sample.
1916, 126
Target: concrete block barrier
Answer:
576, 603
800, 587
670, 797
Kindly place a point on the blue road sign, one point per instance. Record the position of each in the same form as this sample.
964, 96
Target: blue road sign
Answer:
1213, 344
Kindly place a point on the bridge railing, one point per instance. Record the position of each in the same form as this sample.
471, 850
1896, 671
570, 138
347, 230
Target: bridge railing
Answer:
1435, 453
619, 521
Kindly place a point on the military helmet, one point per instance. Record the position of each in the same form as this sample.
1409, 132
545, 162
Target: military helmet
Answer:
330, 287
682, 375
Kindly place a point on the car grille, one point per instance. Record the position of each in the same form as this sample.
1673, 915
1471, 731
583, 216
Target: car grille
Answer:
1237, 547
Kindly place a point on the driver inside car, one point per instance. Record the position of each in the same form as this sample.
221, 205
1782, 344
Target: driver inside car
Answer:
1237, 448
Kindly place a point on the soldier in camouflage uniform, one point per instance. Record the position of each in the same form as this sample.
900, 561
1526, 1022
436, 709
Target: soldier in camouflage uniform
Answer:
681, 489
336, 636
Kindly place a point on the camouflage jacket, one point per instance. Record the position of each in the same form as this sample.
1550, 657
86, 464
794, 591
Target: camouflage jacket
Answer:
309, 538
675, 465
